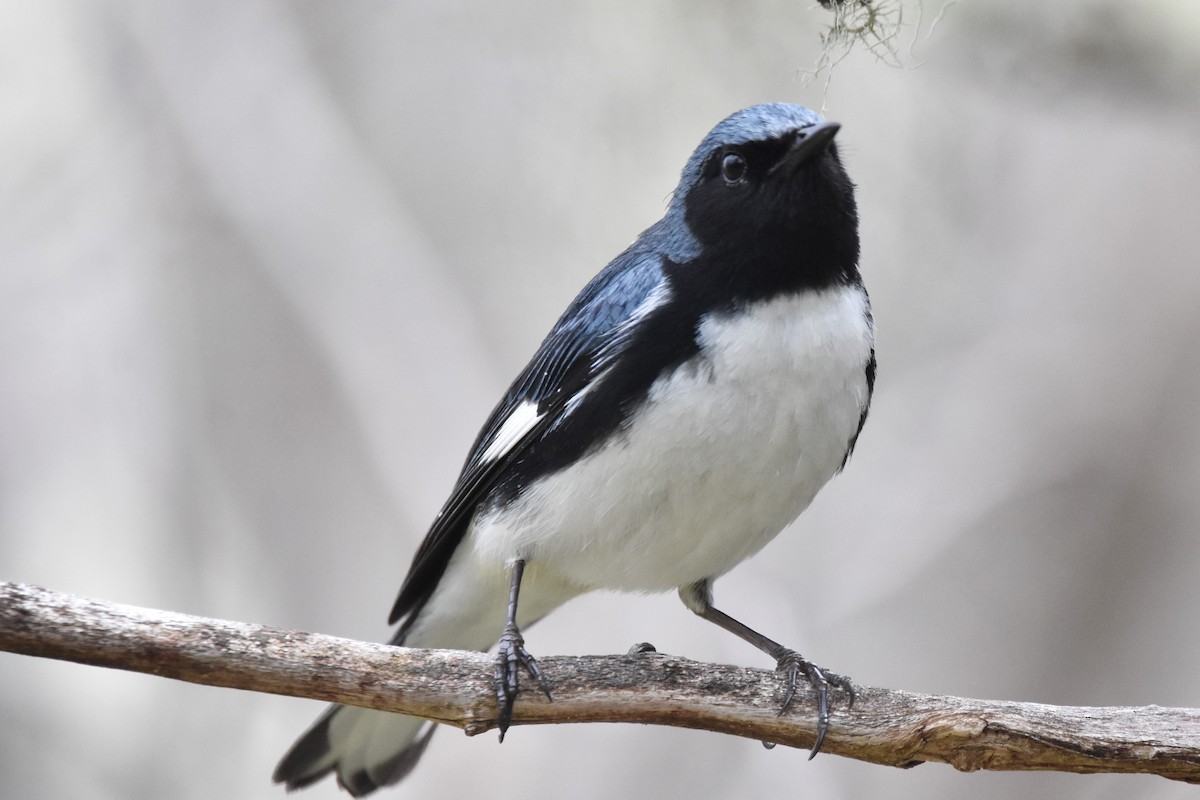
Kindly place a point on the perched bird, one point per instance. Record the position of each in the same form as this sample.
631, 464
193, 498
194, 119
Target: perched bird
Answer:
684, 409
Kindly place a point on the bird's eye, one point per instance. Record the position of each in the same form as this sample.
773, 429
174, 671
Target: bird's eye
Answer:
733, 168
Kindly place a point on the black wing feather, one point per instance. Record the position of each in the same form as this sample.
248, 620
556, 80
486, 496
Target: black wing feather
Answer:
572, 355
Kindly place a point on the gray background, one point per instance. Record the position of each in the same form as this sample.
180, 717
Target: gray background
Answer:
264, 268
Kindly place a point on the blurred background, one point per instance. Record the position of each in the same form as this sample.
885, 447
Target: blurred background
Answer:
266, 266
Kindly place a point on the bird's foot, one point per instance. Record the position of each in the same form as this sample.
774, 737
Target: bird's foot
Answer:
792, 664
510, 658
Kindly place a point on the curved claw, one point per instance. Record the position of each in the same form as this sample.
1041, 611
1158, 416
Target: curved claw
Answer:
792, 664
510, 658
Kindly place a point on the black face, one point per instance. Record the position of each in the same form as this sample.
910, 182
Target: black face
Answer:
769, 224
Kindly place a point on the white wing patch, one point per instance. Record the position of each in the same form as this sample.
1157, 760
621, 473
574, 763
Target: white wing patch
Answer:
525, 417
519, 422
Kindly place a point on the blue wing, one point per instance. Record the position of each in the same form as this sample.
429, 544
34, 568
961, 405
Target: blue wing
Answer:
586, 339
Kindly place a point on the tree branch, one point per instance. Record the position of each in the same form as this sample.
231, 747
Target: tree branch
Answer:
884, 727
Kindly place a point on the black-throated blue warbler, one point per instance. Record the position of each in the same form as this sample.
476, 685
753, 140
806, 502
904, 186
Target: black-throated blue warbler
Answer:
684, 409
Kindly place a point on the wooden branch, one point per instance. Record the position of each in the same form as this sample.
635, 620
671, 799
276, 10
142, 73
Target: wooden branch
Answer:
884, 727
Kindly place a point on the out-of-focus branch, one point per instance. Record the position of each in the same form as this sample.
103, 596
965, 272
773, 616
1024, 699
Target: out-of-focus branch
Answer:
884, 726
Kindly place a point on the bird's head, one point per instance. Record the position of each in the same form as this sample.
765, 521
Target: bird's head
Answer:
766, 186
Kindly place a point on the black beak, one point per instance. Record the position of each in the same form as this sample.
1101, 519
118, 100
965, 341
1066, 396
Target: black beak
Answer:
808, 142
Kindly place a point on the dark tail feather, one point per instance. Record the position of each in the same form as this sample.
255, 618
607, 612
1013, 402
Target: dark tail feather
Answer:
307, 761
368, 749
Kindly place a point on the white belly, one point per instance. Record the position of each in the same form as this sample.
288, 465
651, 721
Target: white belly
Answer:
725, 453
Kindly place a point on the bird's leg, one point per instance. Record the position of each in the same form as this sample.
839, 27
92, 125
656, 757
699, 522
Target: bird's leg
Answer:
698, 597
512, 655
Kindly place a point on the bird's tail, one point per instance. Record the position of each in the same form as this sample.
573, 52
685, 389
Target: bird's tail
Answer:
367, 749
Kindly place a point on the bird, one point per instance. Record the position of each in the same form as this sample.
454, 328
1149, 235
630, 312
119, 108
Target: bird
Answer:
685, 408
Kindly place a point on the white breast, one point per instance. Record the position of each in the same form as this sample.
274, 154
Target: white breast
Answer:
727, 450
